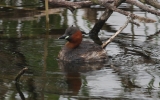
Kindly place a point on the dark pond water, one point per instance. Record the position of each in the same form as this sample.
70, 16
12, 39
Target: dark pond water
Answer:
25, 42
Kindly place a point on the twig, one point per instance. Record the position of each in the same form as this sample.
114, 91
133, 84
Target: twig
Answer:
120, 30
20, 74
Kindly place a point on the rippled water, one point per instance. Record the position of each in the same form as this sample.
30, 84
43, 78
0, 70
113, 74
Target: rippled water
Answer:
25, 42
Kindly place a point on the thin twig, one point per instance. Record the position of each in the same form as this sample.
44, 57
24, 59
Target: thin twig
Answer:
120, 30
20, 74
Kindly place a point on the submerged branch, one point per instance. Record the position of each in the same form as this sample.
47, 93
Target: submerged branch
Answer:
20, 74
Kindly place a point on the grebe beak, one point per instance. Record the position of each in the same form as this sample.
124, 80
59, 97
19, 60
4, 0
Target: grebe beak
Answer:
64, 37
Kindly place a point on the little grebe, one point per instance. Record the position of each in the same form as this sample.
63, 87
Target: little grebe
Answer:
77, 50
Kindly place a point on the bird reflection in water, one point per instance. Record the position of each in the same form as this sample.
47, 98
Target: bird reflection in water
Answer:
73, 72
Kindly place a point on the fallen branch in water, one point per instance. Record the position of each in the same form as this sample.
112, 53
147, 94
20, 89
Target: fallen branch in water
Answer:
120, 30
20, 74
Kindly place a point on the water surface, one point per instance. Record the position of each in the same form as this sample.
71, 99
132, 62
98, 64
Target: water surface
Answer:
25, 42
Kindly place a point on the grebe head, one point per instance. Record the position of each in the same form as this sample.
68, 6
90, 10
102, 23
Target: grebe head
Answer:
74, 37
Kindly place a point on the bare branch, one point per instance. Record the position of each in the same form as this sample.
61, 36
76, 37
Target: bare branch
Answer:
120, 30
70, 5
142, 6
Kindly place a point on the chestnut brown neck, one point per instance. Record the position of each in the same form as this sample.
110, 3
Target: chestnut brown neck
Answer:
75, 41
